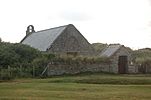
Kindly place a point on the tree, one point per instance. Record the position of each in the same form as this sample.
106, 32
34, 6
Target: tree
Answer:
16, 54
22, 59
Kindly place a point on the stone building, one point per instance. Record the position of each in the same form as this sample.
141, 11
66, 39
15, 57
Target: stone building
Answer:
59, 40
120, 57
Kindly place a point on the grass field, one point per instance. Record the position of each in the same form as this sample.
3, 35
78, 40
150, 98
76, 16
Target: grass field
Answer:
79, 87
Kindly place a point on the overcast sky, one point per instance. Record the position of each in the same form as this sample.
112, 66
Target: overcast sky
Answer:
127, 22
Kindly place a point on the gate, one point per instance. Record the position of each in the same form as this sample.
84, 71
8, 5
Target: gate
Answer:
122, 64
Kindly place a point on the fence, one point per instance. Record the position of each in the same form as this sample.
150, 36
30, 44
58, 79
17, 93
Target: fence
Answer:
17, 72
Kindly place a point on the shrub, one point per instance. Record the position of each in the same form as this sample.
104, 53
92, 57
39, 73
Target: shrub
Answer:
5, 74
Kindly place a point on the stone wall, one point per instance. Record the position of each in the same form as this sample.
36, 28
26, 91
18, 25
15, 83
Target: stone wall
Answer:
71, 40
132, 69
73, 68
59, 69
144, 69
115, 58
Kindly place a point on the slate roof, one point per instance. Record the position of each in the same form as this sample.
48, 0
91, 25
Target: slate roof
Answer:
42, 40
110, 50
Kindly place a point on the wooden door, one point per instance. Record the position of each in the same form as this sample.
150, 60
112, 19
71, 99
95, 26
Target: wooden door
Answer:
122, 64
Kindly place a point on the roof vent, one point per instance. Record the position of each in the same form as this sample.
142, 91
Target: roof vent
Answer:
30, 29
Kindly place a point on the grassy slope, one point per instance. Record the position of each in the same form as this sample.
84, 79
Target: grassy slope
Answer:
70, 88
99, 46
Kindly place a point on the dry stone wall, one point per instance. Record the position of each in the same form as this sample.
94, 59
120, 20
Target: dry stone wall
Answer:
59, 69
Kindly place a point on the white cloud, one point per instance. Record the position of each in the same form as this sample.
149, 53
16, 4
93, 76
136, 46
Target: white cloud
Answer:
74, 16
108, 21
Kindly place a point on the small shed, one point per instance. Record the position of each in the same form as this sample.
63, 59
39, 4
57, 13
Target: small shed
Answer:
120, 57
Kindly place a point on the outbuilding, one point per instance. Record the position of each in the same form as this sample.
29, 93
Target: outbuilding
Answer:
120, 57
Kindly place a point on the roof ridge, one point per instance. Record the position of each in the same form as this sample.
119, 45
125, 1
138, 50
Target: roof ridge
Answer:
52, 28
48, 37
44, 30
113, 47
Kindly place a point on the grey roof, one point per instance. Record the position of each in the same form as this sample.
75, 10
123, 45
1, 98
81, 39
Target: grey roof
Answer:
42, 40
110, 50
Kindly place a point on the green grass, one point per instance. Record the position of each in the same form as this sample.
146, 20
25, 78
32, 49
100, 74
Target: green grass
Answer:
97, 78
79, 87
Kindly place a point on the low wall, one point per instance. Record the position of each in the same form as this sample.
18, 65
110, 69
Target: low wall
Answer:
132, 69
59, 69
62, 68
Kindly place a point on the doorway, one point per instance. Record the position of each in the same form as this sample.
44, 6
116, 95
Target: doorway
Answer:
122, 64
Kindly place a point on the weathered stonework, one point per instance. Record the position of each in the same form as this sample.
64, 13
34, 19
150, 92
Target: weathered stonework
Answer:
132, 69
59, 40
60, 69
71, 40
115, 58
114, 52
112, 67
66, 40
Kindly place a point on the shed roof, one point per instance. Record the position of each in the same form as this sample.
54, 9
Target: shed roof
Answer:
110, 50
42, 40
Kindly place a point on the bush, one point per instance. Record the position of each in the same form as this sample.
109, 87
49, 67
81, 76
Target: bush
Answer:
5, 74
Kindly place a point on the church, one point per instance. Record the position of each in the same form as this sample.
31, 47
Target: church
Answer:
59, 40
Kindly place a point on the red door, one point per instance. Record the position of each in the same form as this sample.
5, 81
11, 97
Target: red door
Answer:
122, 64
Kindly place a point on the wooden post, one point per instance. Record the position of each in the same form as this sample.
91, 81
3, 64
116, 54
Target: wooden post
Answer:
45, 69
9, 71
0, 73
33, 71
20, 70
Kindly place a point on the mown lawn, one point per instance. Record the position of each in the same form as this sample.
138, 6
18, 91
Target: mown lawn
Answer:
79, 87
